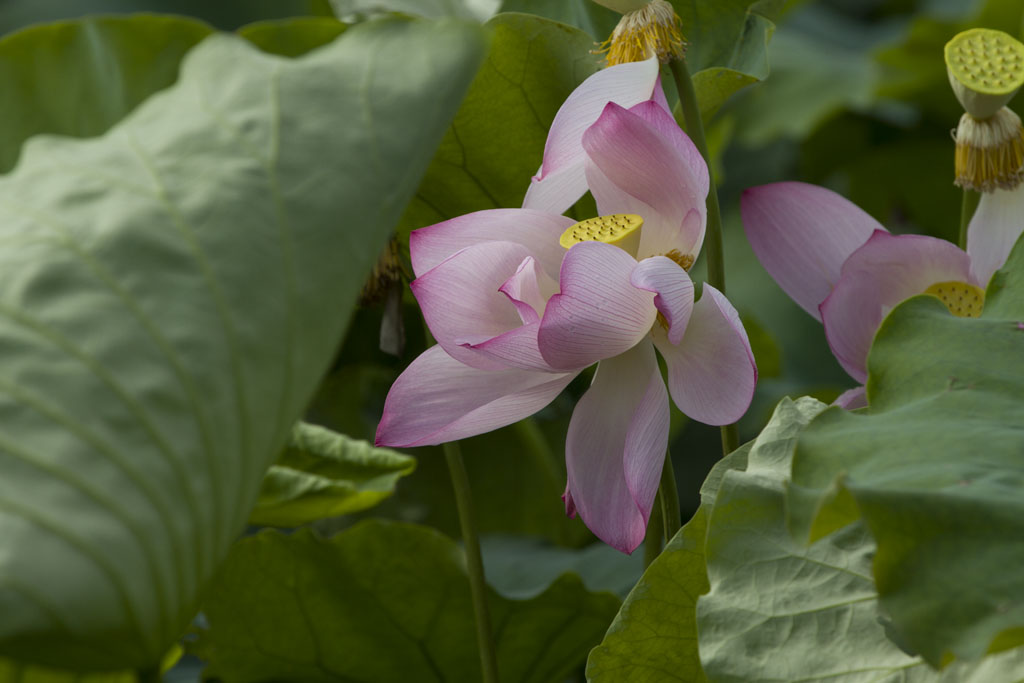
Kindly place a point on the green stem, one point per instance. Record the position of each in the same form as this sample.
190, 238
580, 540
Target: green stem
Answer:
668, 494
474, 561
713, 236
967, 206
652, 541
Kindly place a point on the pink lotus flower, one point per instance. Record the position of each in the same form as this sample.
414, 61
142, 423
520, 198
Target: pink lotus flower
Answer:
848, 271
517, 316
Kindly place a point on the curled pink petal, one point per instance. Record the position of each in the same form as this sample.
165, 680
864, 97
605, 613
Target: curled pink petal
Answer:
851, 399
438, 399
599, 313
673, 290
560, 181
462, 302
996, 226
661, 119
802, 234
529, 289
883, 272
640, 164
616, 446
711, 372
535, 230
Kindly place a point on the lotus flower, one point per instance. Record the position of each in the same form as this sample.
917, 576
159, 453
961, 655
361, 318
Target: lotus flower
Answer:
522, 300
845, 269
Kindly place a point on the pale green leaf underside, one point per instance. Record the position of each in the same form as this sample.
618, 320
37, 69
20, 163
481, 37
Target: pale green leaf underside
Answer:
326, 474
170, 294
782, 611
383, 602
935, 469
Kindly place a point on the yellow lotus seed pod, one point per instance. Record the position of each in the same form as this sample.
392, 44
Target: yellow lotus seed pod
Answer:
620, 229
962, 299
985, 68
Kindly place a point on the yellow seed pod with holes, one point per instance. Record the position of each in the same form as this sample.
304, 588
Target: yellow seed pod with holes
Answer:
986, 69
620, 229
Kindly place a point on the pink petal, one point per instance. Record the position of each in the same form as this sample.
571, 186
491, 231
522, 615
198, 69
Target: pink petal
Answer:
616, 446
598, 313
802, 234
461, 301
516, 348
438, 399
994, 229
661, 119
641, 164
673, 289
851, 399
560, 181
876, 277
529, 289
535, 230
711, 372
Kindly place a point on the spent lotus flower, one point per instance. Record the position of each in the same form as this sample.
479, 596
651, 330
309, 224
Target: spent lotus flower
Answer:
521, 301
846, 270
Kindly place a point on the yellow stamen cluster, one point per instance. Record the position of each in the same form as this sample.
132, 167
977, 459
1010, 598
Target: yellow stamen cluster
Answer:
962, 299
685, 261
621, 230
386, 272
652, 30
986, 69
990, 152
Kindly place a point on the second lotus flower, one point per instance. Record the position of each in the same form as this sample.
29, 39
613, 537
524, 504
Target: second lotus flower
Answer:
522, 300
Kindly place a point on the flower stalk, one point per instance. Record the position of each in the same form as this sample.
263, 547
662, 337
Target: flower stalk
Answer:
474, 561
713, 236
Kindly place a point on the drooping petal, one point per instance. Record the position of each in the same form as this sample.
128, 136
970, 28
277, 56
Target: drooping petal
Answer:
802, 234
851, 399
883, 272
673, 290
438, 399
535, 230
560, 180
616, 445
659, 116
599, 313
639, 163
461, 301
711, 372
996, 226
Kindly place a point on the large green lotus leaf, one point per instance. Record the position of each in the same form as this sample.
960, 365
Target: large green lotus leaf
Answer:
13, 672
292, 37
496, 142
480, 10
171, 294
381, 602
596, 20
779, 610
654, 635
935, 470
80, 77
325, 474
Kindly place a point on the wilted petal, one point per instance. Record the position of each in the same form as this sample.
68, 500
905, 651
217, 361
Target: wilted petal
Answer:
994, 229
851, 399
641, 164
438, 399
560, 181
461, 301
599, 313
673, 290
711, 372
802, 234
876, 277
616, 445
535, 230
